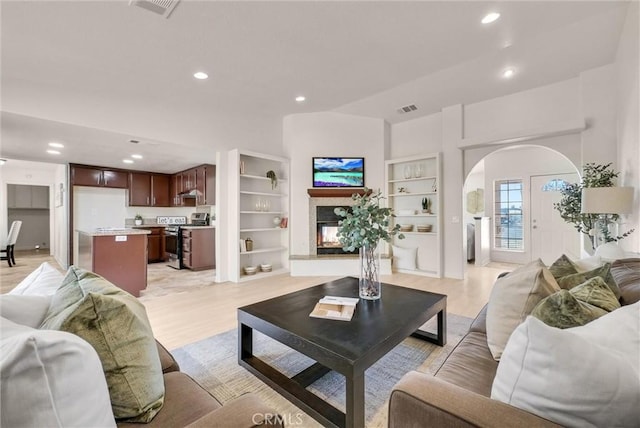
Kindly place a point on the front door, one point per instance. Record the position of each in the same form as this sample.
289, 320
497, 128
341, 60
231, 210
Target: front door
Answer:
551, 236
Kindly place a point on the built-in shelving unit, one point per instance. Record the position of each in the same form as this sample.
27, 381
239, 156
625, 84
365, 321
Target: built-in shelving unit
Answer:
408, 181
258, 205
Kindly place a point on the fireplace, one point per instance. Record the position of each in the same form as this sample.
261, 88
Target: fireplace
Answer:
327, 241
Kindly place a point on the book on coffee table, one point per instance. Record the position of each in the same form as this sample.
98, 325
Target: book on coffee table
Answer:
335, 308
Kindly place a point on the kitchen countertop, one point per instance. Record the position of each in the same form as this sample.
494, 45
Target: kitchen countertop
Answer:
113, 231
197, 227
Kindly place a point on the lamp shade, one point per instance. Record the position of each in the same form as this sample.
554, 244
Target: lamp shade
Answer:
607, 200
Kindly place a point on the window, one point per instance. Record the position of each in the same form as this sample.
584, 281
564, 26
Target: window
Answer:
508, 215
554, 185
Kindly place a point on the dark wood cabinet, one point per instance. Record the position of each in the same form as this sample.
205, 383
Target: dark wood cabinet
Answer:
198, 248
206, 184
160, 190
148, 190
175, 188
189, 180
155, 245
139, 189
98, 177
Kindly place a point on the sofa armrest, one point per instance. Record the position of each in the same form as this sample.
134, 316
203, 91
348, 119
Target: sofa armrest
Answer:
418, 398
245, 411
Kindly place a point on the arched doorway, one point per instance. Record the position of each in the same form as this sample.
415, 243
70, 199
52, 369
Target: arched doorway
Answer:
508, 199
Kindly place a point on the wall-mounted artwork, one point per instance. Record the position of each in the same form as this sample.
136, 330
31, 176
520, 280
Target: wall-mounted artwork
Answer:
59, 196
475, 201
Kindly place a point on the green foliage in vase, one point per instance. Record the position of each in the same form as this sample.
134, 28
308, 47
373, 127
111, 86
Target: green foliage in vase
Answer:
367, 222
138, 217
570, 204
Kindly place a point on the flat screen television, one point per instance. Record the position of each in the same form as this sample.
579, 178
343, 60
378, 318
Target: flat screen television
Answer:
338, 172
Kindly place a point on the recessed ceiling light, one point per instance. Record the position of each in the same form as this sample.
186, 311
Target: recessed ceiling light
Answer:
127, 160
490, 17
200, 75
136, 156
508, 73
300, 98
53, 152
58, 145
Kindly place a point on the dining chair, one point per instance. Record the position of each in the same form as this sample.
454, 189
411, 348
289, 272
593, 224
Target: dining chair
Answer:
6, 253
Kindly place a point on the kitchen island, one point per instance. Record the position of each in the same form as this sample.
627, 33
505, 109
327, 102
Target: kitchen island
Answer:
119, 255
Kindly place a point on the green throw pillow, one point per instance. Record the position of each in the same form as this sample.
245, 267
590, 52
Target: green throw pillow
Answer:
563, 310
595, 292
563, 267
116, 325
604, 272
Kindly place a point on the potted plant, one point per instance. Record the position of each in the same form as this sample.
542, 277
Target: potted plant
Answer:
362, 228
273, 177
138, 219
570, 205
426, 205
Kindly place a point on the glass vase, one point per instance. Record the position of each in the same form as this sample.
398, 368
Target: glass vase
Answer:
369, 285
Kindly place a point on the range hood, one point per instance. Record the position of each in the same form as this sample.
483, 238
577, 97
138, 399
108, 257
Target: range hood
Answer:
190, 194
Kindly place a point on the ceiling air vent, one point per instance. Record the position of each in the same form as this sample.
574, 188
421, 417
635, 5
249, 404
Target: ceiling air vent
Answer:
161, 7
407, 109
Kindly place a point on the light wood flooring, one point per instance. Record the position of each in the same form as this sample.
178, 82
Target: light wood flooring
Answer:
185, 306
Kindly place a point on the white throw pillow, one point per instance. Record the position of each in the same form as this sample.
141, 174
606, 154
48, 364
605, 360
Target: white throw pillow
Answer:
513, 297
404, 258
44, 281
585, 376
50, 378
24, 309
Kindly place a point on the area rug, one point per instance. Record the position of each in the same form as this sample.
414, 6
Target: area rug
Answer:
213, 362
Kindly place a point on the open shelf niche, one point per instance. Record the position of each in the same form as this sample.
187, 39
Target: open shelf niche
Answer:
408, 181
259, 205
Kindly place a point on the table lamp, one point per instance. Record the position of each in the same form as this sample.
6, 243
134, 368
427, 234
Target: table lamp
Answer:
606, 202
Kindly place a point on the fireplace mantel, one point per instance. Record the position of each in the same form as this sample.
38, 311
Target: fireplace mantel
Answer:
335, 192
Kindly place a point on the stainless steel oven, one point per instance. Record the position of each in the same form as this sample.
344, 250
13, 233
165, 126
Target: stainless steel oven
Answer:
173, 246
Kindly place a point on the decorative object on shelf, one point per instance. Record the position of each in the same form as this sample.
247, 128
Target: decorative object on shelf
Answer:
426, 205
248, 244
284, 222
362, 228
241, 167
402, 190
273, 177
138, 219
265, 267
424, 228
407, 172
417, 171
434, 186
250, 270
276, 221
406, 228
585, 218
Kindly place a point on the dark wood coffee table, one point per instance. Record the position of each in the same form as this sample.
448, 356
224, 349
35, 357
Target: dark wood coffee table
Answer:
348, 348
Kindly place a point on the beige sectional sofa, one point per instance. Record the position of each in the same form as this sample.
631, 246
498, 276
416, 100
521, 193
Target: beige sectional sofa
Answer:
64, 376
459, 394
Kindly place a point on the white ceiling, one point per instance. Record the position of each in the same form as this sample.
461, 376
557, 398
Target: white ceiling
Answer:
94, 74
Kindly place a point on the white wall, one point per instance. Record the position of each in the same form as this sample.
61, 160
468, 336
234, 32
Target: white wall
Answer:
627, 72
417, 137
534, 109
61, 216
328, 134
